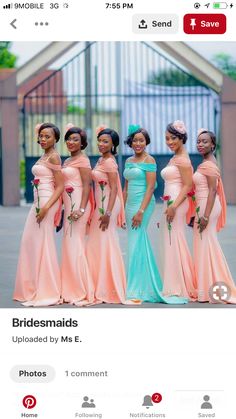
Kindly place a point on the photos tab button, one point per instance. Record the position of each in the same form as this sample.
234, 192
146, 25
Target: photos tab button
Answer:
155, 24
32, 373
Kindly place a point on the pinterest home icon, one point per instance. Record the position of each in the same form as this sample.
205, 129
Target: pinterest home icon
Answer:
29, 402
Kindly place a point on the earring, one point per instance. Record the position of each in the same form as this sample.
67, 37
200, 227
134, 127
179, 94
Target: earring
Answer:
113, 150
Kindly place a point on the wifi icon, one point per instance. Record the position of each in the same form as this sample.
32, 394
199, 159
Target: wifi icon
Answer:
8, 6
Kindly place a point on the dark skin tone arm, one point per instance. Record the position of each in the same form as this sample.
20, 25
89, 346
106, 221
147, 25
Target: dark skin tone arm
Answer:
59, 186
105, 219
86, 177
212, 185
186, 176
151, 180
125, 191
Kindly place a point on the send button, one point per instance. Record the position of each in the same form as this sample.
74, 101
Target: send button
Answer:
155, 24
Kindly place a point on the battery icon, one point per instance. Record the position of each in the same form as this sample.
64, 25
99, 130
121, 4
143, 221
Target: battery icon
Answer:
220, 5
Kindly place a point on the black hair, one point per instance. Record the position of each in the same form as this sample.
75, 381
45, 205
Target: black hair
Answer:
53, 127
171, 129
130, 137
82, 134
114, 137
211, 135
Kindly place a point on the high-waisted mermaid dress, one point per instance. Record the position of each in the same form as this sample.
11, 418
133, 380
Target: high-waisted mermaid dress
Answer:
210, 263
77, 284
143, 278
38, 280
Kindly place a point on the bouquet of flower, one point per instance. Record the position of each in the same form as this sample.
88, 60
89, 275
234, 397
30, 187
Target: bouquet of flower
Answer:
169, 201
35, 184
102, 184
69, 190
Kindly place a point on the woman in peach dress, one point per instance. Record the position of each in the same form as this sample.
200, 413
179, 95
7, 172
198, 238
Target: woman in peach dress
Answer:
38, 274
214, 280
103, 249
77, 285
178, 270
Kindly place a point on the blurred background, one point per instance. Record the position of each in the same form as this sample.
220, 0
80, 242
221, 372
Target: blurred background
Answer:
116, 84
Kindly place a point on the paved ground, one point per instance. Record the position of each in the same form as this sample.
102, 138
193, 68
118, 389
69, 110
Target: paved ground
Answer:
11, 226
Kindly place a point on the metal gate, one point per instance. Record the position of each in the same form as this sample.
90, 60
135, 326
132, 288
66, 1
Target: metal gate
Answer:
1, 173
118, 84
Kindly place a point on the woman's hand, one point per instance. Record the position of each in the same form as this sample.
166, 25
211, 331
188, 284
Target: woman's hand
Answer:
75, 215
41, 214
137, 219
202, 224
105, 219
170, 213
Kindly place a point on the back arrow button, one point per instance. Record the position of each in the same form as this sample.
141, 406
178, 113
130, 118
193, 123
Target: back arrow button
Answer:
13, 24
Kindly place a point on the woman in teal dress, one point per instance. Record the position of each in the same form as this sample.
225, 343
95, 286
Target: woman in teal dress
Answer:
143, 278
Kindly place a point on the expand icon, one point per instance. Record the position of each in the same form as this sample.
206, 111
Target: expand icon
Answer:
219, 292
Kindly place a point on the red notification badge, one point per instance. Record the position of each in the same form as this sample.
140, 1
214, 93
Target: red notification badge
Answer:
156, 397
205, 24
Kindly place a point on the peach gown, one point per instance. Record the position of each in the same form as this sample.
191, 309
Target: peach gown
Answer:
77, 284
103, 249
178, 269
38, 274
210, 262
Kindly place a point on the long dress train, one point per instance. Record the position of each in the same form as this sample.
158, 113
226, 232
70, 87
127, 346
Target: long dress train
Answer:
143, 278
103, 249
210, 263
38, 274
178, 269
77, 284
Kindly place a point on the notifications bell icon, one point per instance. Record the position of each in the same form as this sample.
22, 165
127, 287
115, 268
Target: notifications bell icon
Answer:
147, 401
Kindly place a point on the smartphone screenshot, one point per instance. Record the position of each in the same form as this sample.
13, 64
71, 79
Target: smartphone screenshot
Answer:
117, 209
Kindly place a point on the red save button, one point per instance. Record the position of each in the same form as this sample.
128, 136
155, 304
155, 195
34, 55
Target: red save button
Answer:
204, 24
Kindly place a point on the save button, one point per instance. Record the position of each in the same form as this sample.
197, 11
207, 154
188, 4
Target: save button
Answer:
205, 24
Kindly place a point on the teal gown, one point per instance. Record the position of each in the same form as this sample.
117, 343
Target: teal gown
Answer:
143, 278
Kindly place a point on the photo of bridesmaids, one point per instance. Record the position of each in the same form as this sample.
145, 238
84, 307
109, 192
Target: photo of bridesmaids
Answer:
38, 275
178, 269
103, 249
77, 284
210, 263
118, 215
143, 277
